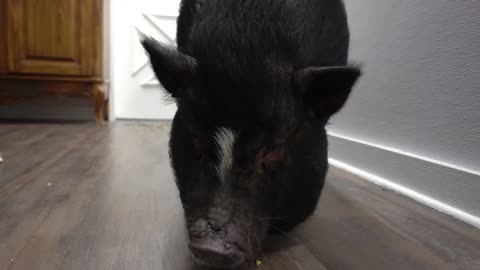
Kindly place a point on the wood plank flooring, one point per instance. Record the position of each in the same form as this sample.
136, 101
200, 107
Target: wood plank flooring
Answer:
82, 196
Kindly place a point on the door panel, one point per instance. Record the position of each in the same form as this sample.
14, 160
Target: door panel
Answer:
51, 37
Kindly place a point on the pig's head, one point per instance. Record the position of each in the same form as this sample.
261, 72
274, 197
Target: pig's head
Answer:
233, 140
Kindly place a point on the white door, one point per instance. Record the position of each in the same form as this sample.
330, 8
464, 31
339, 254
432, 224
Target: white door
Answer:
136, 93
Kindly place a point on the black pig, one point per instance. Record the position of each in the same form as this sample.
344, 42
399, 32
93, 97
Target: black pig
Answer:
255, 82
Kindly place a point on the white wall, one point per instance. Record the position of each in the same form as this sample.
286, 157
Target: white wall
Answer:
419, 99
136, 93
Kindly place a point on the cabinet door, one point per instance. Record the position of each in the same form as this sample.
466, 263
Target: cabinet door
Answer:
52, 37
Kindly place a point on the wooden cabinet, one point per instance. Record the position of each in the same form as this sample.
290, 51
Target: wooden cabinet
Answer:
55, 47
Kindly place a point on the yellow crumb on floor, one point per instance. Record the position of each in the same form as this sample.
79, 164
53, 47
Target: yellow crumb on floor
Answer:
258, 262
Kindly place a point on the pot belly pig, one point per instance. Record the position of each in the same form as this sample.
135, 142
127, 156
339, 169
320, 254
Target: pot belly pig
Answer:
255, 83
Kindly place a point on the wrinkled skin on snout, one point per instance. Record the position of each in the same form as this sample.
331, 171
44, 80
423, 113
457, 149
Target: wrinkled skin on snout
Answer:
255, 83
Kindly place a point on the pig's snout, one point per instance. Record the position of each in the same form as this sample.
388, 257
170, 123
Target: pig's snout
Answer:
211, 247
212, 251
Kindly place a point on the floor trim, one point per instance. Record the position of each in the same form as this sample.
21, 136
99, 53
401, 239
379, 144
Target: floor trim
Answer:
405, 153
450, 189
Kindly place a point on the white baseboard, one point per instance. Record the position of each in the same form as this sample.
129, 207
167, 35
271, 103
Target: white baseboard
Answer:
450, 189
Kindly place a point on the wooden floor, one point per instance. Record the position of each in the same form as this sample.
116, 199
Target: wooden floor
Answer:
82, 196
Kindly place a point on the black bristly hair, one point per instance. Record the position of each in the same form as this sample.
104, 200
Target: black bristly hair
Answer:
255, 82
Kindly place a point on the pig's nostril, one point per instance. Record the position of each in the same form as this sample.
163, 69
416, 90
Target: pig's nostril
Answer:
213, 253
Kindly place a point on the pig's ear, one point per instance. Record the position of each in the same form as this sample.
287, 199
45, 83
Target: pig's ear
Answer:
324, 90
174, 70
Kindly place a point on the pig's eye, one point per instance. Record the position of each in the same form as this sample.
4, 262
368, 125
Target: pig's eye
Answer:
270, 157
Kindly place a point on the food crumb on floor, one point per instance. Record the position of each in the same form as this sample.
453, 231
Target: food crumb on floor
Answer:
258, 262
49, 184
